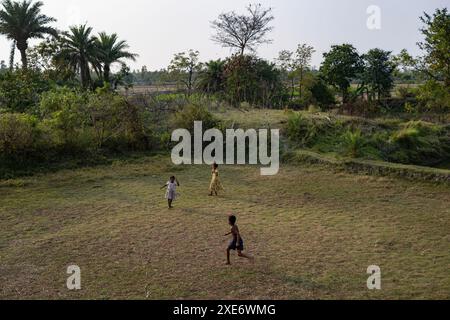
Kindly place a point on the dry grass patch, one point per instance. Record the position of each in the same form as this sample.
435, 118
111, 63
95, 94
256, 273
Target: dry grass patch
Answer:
313, 232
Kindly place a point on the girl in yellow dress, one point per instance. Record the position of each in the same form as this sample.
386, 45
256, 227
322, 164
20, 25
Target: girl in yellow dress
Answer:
215, 185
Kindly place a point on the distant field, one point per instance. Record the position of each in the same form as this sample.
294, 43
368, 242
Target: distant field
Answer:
163, 88
313, 232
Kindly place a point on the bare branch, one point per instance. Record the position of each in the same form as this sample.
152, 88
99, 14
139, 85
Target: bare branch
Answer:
243, 32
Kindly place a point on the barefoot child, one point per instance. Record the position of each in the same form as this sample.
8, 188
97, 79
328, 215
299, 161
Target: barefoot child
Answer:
215, 185
237, 243
171, 193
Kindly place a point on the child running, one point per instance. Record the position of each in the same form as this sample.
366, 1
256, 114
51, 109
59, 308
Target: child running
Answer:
171, 193
237, 243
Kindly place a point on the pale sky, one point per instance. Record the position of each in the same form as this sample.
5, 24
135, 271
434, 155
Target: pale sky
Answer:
157, 29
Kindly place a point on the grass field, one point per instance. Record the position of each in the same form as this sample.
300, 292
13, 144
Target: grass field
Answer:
313, 232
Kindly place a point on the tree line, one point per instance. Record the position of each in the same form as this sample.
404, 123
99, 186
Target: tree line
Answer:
290, 79
67, 54
61, 100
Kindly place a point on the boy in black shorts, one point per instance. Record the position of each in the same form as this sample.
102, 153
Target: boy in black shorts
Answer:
237, 243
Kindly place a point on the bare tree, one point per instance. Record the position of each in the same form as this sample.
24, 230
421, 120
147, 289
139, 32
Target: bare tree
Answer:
243, 32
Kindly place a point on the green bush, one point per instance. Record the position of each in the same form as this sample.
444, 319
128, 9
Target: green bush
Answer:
434, 97
420, 143
185, 118
306, 132
19, 134
322, 95
64, 113
355, 144
405, 93
117, 124
299, 130
20, 90
253, 80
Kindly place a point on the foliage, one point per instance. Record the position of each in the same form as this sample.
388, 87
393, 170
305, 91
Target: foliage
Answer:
186, 117
434, 96
420, 143
21, 21
185, 67
322, 95
414, 142
437, 44
64, 113
115, 121
19, 134
355, 144
20, 90
211, 78
253, 80
299, 130
378, 73
46, 57
110, 50
341, 65
296, 64
79, 52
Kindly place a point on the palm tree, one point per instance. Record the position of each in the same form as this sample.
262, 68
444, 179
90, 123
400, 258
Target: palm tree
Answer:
12, 55
79, 51
21, 21
110, 50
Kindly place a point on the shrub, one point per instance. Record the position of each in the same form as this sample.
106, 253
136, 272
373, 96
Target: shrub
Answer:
406, 93
434, 97
19, 134
115, 122
420, 143
298, 129
322, 95
64, 112
20, 90
361, 107
253, 80
185, 118
352, 143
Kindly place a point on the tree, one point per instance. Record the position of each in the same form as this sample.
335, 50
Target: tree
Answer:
79, 51
253, 80
378, 73
243, 32
47, 58
110, 50
296, 64
12, 55
340, 66
21, 21
3, 67
287, 65
303, 57
437, 44
185, 66
20, 90
211, 79
321, 94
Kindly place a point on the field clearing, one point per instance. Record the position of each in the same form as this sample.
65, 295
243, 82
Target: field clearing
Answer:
313, 232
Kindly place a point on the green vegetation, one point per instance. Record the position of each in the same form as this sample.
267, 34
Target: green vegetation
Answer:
83, 156
413, 142
66, 103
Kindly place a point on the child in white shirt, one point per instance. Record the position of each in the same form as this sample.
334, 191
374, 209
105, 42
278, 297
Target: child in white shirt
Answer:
171, 193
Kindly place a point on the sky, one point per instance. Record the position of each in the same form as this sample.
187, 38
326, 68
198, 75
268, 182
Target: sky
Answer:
157, 29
